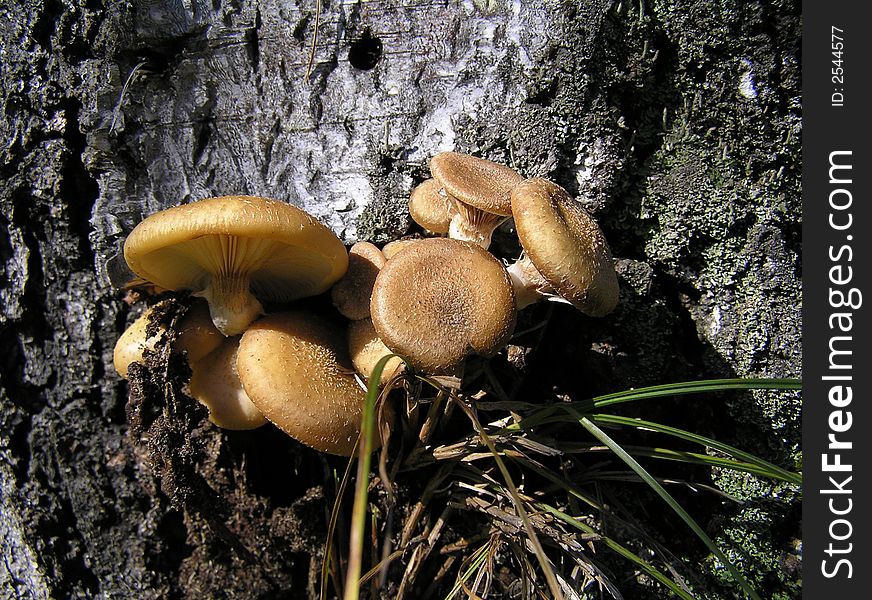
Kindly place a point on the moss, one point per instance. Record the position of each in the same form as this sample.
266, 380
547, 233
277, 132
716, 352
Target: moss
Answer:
387, 218
770, 562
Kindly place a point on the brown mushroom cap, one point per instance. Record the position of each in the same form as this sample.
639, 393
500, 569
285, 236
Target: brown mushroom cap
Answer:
439, 300
215, 384
366, 349
392, 247
565, 245
430, 209
295, 368
232, 249
478, 182
351, 293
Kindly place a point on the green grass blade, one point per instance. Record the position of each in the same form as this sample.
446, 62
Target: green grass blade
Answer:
673, 504
364, 461
762, 467
585, 528
696, 387
331, 528
478, 558
551, 413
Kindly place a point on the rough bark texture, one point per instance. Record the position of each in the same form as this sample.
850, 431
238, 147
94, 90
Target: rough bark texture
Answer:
676, 123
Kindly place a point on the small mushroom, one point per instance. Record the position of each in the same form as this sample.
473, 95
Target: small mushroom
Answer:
392, 247
132, 344
351, 294
295, 368
439, 300
565, 251
481, 190
366, 349
215, 384
197, 337
233, 250
431, 209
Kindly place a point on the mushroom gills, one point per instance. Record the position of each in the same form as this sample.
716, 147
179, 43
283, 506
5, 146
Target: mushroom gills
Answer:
237, 251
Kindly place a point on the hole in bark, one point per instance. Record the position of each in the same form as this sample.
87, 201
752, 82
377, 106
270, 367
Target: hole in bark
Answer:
365, 52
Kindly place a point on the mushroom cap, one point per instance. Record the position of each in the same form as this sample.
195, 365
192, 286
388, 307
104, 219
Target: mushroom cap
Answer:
295, 368
197, 335
366, 349
351, 293
215, 384
392, 247
285, 252
439, 300
565, 245
430, 209
131, 344
477, 182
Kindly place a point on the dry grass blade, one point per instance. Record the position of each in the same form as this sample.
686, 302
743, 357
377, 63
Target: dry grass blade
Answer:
311, 60
421, 552
536, 546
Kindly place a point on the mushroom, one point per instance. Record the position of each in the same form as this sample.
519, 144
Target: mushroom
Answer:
295, 368
232, 250
395, 246
132, 344
565, 251
366, 349
439, 300
431, 209
197, 334
215, 384
196, 337
351, 294
481, 192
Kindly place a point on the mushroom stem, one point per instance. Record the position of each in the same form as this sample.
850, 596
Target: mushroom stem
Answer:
231, 304
473, 225
529, 284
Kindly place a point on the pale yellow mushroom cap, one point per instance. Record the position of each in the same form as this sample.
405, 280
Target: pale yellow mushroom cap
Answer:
366, 349
215, 384
430, 209
197, 337
132, 344
235, 249
351, 294
295, 368
439, 300
566, 246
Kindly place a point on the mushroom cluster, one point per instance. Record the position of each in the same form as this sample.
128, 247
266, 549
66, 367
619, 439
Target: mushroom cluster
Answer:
236, 254
565, 254
433, 302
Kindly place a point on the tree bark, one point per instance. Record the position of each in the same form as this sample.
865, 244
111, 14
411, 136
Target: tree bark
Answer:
677, 125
